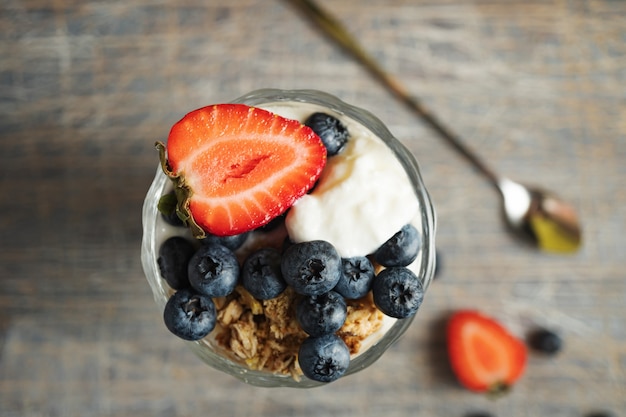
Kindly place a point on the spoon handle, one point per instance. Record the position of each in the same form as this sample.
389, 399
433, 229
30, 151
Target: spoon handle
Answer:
337, 32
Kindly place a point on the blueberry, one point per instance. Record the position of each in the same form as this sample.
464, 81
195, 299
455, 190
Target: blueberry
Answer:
401, 249
167, 207
233, 242
357, 274
213, 270
545, 341
397, 292
261, 276
311, 268
333, 133
174, 255
321, 314
190, 315
324, 358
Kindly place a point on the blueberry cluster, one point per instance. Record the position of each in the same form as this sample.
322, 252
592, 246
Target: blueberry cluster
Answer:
320, 277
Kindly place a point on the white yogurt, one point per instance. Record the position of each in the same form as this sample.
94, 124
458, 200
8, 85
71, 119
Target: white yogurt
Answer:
362, 198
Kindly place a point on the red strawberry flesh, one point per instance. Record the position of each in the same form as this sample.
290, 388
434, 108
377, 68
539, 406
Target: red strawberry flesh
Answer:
243, 166
484, 356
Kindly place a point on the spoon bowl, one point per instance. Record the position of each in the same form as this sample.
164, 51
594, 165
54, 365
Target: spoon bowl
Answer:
540, 217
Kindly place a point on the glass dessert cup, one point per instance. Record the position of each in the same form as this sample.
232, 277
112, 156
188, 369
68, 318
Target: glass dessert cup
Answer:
208, 349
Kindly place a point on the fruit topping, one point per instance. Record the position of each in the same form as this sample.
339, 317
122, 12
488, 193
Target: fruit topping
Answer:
324, 358
483, 354
546, 341
401, 249
317, 275
261, 275
321, 314
232, 242
213, 270
174, 255
332, 132
398, 292
237, 167
189, 315
357, 274
311, 268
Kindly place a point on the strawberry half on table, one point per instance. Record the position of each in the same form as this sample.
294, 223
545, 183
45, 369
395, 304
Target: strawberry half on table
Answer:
237, 167
483, 354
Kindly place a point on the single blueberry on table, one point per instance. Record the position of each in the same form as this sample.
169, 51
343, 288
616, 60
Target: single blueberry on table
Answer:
401, 249
213, 270
233, 242
397, 292
357, 274
321, 314
311, 268
261, 275
189, 315
332, 132
324, 358
174, 255
546, 341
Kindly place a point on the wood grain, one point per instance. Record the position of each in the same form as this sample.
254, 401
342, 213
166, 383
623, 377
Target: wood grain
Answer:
86, 87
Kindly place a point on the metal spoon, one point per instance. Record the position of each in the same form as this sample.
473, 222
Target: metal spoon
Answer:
536, 215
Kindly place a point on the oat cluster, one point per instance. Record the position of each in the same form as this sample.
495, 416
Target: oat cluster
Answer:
266, 335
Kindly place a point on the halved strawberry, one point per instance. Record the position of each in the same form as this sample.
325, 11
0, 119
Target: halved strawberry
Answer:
483, 354
237, 167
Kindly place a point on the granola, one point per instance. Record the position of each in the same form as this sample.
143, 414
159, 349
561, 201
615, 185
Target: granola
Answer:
266, 335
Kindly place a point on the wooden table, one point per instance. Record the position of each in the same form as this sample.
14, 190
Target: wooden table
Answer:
86, 87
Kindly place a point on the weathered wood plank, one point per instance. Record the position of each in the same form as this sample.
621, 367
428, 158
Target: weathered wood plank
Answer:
87, 87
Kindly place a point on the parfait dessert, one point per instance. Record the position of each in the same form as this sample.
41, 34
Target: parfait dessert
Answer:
287, 236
